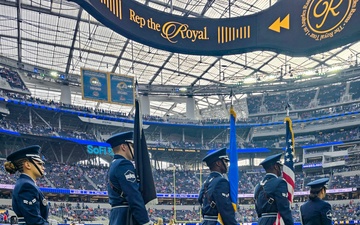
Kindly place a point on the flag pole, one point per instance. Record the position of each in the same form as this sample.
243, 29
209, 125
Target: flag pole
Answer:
288, 168
142, 159
233, 170
287, 108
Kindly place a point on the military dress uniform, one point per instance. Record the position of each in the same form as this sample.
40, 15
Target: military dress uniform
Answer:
316, 211
214, 196
28, 201
271, 197
123, 188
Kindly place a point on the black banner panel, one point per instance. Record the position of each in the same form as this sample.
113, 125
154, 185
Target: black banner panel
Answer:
292, 27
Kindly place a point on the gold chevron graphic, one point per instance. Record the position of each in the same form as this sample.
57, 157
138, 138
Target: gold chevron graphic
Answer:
227, 34
114, 6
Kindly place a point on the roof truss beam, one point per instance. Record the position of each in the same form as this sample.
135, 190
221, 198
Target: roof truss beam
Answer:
19, 20
44, 11
71, 51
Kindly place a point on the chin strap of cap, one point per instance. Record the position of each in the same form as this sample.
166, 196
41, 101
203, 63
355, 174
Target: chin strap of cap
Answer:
225, 166
36, 166
131, 152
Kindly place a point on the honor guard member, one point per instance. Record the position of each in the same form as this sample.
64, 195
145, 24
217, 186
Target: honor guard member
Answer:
316, 211
214, 196
271, 194
28, 201
125, 198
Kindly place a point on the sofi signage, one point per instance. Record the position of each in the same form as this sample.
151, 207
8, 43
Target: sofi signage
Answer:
99, 150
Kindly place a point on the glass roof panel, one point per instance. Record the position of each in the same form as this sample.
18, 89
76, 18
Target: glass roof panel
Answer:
47, 39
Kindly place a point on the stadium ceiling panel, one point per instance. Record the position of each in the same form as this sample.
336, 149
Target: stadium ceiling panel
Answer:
60, 36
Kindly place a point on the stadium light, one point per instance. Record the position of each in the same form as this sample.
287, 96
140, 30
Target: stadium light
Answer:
54, 73
310, 73
249, 80
270, 77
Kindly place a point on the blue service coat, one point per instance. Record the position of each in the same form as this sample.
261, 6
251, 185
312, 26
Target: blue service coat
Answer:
270, 198
316, 212
214, 197
29, 203
124, 194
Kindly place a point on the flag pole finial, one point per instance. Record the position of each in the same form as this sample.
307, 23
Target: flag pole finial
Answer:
136, 89
232, 111
287, 108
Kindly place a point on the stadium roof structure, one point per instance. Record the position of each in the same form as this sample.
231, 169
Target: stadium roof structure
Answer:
58, 35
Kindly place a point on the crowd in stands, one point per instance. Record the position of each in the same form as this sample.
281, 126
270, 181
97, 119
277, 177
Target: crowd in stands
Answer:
353, 159
88, 177
338, 136
275, 102
178, 215
321, 137
354, 89
254, 103
328, 95
43, 130
79, 108
298, 99
92, 177
81, 213
307, 139
301, 100
331, 94
72, 176
275, 142
13, 79
4, 216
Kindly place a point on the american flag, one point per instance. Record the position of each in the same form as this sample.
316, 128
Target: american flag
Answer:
288, 170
